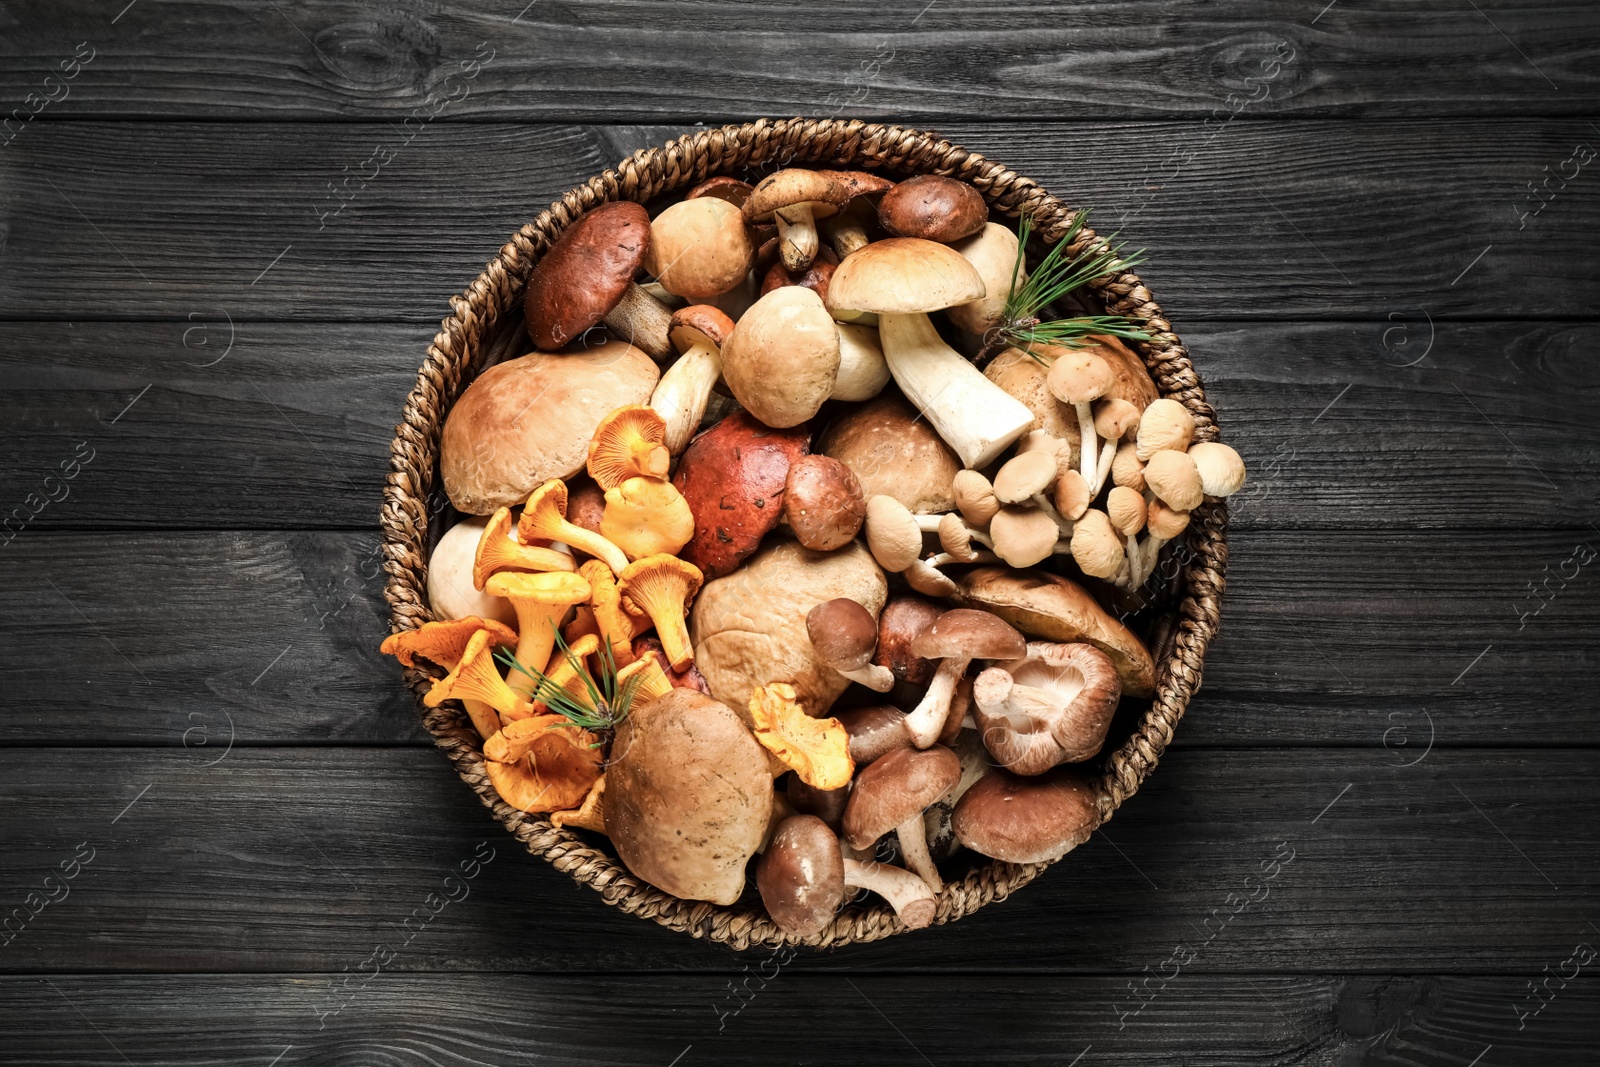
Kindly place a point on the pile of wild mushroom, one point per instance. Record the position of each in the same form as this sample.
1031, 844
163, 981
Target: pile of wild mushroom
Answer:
783, 546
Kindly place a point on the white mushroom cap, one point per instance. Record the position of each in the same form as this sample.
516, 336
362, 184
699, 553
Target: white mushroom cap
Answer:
1221, 469
1079, 377
1023, 536
1164, 424
1175, 480
1125, 507
892, 534
903, 275
1096, 546
1024, 475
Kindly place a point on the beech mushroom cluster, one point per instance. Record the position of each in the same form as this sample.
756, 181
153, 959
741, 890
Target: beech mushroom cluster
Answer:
762, 555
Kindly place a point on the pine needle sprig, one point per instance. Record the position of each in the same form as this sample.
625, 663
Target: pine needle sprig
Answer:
610, 701
1057, 276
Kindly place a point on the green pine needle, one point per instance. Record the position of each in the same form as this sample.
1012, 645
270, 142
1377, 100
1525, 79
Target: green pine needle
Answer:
611, 701
1057, 275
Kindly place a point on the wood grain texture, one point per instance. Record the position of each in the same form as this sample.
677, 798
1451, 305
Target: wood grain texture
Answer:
1470, 862
492, 1020
290, 427
650, 60
1328, 637
1280, 220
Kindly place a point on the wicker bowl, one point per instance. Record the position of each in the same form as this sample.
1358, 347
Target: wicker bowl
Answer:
487, 326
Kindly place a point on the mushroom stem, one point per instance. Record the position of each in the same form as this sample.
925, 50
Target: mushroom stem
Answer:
907, 894
846, 232
1088, 463
1049, 509
976, 418
913, 837
939, 559
879, 679
684, 390
1102, 471
642, 321
797, 236
928, 523
926, 721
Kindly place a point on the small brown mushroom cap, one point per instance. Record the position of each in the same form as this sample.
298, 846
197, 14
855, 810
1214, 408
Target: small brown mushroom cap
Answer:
1164, 424
825, 190
1079, 377
965, 633
815, 277
782, 359
1127, 468
843, 632
823, 502
1023, 536
1174, 479
1096, 546
1023, 475
1125, 508
1072, 495
874, 731
894, 787
975, 496
902, 619
699, 248
1050, 707
894, 452
1164, 522
802, 875
1115, 418
584, 274
1026, 820
826, 804
1221, 469
699, 324
722, 187
892, 534
933, 207
903, 275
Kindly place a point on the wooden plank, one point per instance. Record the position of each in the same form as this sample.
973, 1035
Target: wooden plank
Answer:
1277, 220
1327, 638
649, 60
290, 427
487, 1021
1479, 861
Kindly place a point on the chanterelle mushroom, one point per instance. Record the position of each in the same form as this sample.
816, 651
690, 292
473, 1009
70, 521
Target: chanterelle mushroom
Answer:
698, 333
474, 677
817, 750
845, 636
955, 639
699, 248
587, 276
544, 518
629, 443
891, 793
901, 279
782, 359
499, 551
1052, 706
445, 643
541, 601
662, 587
646, 517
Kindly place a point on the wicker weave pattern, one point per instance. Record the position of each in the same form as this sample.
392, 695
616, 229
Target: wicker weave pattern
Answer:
458, 350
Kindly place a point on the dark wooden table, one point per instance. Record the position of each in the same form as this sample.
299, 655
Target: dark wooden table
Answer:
1375, 224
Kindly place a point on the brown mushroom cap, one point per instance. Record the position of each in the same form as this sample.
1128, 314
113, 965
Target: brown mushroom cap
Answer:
1115, 417
894, 452
1079, 377
902, 619
801, 875
825, 190
823, 502
584, 274
843, 632
699, 248
904, 275
874, 731
968, 634
1125, 508
1023, 475
1072, 496
782, 359
1096, 546
525, 421
815, 277
1023, 536
699, 324
1026, 820
722, 187
893, 788
934, 208
733, 477
1174, 479
826, 804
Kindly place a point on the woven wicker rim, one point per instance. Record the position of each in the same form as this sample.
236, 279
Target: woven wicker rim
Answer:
455, 355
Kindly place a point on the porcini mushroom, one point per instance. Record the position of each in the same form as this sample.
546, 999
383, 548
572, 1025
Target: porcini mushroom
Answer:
891, 793
782, 359
452, 593
934, 208
1165, 424
815, 277
733, 477
646, 517
662, 588
801, 876
894, 452
992, 251
475, 678
541, 601
845, 636
698, 333
1027, 820
795, 198
955, 639
1096, 546
901, 279
863, 372
1050, 707
445, 643
544, 518
587, 276
823, 503
699, 248
629, 443
498, 550
1079, 378
1174, 479
1221, 469
817, 750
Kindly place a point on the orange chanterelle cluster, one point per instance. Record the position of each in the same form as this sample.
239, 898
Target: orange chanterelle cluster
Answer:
818, 535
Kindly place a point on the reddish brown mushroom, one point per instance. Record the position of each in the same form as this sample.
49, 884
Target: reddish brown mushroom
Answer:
1026, 820
823, 503
815, 277
1052, 706
903, 618
733, 477
934, 208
